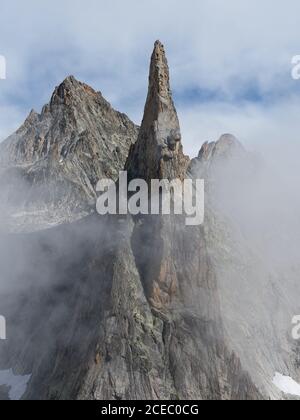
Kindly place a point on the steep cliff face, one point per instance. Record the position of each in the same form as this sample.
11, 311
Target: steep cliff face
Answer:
164, 301
50, 167
135, 313
143, 307
158, 154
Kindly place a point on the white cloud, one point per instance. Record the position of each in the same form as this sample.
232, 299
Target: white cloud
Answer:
259, 127
10, 119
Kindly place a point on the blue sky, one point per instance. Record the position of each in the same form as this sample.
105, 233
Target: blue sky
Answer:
230, 60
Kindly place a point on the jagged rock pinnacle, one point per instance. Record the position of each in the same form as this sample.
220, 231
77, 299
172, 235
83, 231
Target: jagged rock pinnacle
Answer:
158, 152
226, 145
159, 79
224, 150
66, 91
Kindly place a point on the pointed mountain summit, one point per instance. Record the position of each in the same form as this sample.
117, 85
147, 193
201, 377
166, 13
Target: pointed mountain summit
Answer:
60, 154
217, 153
159, 95
158, 152
77, 117
131, 310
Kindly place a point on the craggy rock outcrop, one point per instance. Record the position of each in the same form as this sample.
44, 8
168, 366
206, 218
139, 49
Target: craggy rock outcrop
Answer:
227, 148
86, 329
130, 308
158, 152
50, 167
137, 315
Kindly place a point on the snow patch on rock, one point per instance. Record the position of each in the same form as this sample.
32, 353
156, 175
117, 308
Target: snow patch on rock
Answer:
286, 384
17, 384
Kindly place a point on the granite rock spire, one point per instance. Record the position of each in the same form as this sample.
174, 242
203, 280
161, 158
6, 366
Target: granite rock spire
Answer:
158, 152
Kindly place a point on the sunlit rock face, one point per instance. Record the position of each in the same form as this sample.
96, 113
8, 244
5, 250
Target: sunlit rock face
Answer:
158, 153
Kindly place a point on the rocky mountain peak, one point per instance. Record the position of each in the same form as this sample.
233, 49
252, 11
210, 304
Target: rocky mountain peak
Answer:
70, 91
144, 309
211, 154
227, 143
159, 78
32, 118
63, 152
158, 152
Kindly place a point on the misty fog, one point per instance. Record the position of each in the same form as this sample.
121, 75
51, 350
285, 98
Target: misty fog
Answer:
256, 200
